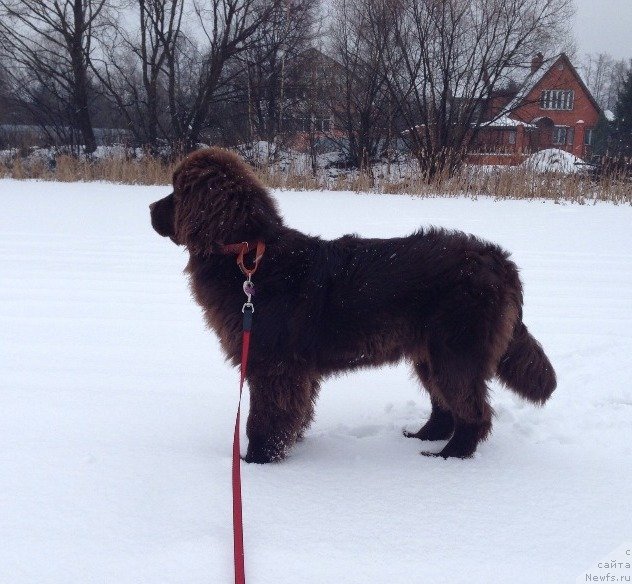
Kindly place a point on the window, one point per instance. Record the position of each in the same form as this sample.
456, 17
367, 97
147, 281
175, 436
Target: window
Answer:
570, 136
325, 124
559, 135
512, 136
309, 123
588, 136
557, 99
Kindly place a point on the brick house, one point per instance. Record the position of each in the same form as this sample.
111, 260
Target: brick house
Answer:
314, 82
553, 108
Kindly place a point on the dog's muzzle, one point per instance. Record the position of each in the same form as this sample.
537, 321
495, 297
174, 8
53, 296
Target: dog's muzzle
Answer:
163, 216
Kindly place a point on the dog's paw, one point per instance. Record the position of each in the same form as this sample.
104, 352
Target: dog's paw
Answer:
256, 458
430, 454
261, 457
430, 433
447, 453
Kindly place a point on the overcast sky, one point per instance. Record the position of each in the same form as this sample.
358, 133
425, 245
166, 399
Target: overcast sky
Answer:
604, 26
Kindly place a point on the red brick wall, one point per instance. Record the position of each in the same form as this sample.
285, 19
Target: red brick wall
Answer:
562, 76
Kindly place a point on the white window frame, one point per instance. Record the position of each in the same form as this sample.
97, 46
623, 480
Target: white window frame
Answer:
324, 123
570, 135
557, 99
560, 132
589, 136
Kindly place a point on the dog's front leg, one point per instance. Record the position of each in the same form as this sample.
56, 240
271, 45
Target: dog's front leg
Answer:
279, 405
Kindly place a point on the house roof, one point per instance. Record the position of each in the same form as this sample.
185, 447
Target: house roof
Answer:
525, 89
505, 121
312, 54
532, 80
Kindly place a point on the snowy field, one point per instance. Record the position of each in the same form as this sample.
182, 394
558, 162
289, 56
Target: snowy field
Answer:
116, 412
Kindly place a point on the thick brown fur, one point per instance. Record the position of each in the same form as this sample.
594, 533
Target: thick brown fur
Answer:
448, 302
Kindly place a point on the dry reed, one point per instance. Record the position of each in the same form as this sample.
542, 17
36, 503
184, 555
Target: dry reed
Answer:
472, 181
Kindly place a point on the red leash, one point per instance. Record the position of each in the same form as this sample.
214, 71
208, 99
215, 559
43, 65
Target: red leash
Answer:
248, 310
238, 528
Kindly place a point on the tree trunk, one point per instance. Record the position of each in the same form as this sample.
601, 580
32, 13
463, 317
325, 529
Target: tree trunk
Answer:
80, 71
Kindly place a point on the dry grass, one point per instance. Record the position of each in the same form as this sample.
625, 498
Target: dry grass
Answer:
146, 171
472, 181
509, 183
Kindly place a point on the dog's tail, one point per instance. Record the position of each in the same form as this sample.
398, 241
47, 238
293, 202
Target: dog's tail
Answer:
525, 368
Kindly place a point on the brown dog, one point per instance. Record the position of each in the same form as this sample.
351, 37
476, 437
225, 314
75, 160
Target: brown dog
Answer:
449, 303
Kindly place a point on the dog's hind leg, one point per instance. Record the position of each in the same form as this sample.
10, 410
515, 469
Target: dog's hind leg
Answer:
280, 405
472, 418
440, 425
308, 416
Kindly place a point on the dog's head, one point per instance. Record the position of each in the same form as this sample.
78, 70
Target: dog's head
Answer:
216, 199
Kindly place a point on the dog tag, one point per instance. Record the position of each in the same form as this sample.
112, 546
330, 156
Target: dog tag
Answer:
249, 288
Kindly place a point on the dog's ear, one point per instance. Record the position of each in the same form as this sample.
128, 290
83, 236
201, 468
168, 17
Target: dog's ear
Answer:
219, 199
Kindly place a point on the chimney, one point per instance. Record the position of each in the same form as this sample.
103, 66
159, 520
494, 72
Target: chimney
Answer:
536, 62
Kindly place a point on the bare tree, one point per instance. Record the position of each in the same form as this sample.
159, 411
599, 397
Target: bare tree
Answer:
268, 62
597, 69
604, 76
226, 29
449, 55
5, 98
360, 34
132, 66
49, 44
314, 81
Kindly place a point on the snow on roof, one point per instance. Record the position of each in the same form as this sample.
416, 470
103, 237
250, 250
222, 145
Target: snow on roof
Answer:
553, 160
609, 115
529, 83
505, 121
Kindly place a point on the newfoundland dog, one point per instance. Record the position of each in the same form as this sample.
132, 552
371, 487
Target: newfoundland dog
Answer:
449, 303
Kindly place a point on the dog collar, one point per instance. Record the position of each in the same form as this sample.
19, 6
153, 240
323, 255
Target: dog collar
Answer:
240, 250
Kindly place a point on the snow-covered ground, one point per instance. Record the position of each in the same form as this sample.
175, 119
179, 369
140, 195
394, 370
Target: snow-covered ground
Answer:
116, 412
